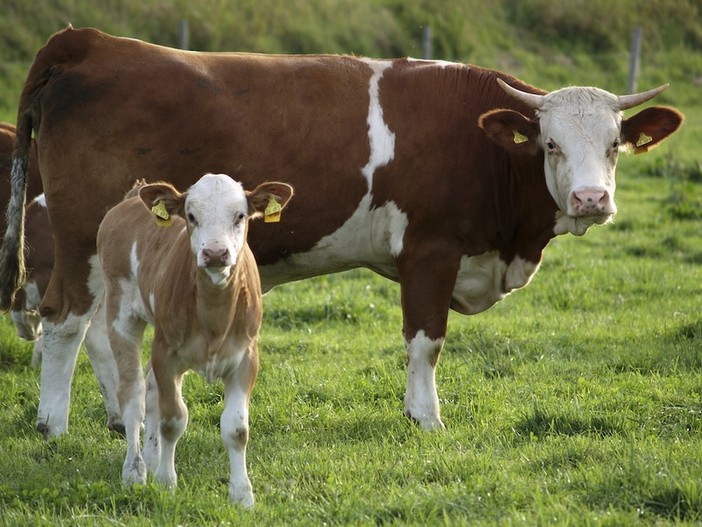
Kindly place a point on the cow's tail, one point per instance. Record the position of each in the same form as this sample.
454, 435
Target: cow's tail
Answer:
12, 270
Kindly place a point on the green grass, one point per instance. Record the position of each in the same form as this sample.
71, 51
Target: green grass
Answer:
576, 401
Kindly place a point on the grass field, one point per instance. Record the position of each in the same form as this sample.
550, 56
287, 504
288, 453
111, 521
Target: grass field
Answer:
576, 401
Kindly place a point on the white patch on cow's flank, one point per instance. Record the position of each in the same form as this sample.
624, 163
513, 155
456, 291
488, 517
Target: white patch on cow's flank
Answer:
382, 140
134, 262
371, 237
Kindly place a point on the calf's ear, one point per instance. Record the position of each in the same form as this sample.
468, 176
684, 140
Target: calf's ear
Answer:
268, 199
649, 127
511, 130
163, 200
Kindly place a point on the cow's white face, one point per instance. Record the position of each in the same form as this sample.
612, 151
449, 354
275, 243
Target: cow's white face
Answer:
580, 132
216, 211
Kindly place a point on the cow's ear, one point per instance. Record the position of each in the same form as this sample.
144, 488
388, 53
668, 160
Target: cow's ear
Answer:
511, 130
269, 199
649, 127
163, 200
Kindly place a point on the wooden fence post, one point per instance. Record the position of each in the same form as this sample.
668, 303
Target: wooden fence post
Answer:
634, 61
183, 35
427, 51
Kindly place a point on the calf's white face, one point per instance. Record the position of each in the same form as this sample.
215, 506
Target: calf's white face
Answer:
216, 211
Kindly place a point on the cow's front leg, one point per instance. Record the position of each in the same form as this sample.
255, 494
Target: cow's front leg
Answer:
426, 286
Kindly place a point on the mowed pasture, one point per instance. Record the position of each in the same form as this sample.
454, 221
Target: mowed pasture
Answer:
575, 401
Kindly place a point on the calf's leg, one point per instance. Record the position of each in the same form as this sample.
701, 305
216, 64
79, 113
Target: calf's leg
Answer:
97, 345
173, 414
234, 426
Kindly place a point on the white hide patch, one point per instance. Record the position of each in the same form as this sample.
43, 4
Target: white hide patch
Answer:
369, 238
40, 200
486, 279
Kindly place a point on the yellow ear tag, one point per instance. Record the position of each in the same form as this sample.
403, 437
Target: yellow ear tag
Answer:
644, 139
272, 212
163, 219
519, 138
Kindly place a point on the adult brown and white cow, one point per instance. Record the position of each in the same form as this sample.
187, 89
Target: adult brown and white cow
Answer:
448, 178
197, 283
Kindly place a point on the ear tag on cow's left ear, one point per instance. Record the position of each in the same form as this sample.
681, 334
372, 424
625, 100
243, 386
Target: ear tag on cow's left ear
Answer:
272, 212
519, 138
643, 139
163, 219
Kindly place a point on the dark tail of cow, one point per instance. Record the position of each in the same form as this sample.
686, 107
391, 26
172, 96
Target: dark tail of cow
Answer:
12, 270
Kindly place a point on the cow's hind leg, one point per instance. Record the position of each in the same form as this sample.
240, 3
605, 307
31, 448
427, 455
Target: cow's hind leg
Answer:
426, 287
60, 345
234, 427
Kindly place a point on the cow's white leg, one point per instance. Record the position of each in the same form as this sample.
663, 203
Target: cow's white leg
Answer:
60, 347
152, 432
421, 398
173, 420
234, 427
97, 346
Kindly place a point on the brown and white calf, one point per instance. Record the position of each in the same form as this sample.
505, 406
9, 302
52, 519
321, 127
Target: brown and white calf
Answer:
197, 283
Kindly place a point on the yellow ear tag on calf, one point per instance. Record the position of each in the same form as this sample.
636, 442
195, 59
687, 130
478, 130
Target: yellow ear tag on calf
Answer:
163, 219
272, 212
644, 139
519, 138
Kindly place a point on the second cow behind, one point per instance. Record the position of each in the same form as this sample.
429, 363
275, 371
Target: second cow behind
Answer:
181, 263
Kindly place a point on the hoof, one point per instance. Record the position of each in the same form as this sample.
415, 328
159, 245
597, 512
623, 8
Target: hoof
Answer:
117, 428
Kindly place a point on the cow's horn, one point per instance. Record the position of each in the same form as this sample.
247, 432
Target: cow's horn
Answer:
530, 99
629, 101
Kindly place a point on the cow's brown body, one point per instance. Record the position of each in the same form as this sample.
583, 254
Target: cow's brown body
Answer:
390, 169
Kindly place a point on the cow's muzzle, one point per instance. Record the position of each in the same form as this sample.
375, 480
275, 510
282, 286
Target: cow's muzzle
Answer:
591, 201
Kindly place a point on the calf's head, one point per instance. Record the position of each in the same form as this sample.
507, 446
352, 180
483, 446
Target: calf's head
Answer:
216, 210
580, 131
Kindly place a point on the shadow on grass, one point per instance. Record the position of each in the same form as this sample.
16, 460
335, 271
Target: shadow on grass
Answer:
541, 423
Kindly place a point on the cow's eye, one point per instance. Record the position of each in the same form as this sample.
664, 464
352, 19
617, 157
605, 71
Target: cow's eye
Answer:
239, 218
552, 146
191, 219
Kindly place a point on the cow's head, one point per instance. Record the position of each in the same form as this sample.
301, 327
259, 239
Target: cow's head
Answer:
216, 210
580, 130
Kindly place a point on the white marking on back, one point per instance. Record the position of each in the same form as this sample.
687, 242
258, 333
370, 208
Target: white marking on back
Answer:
382, 140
